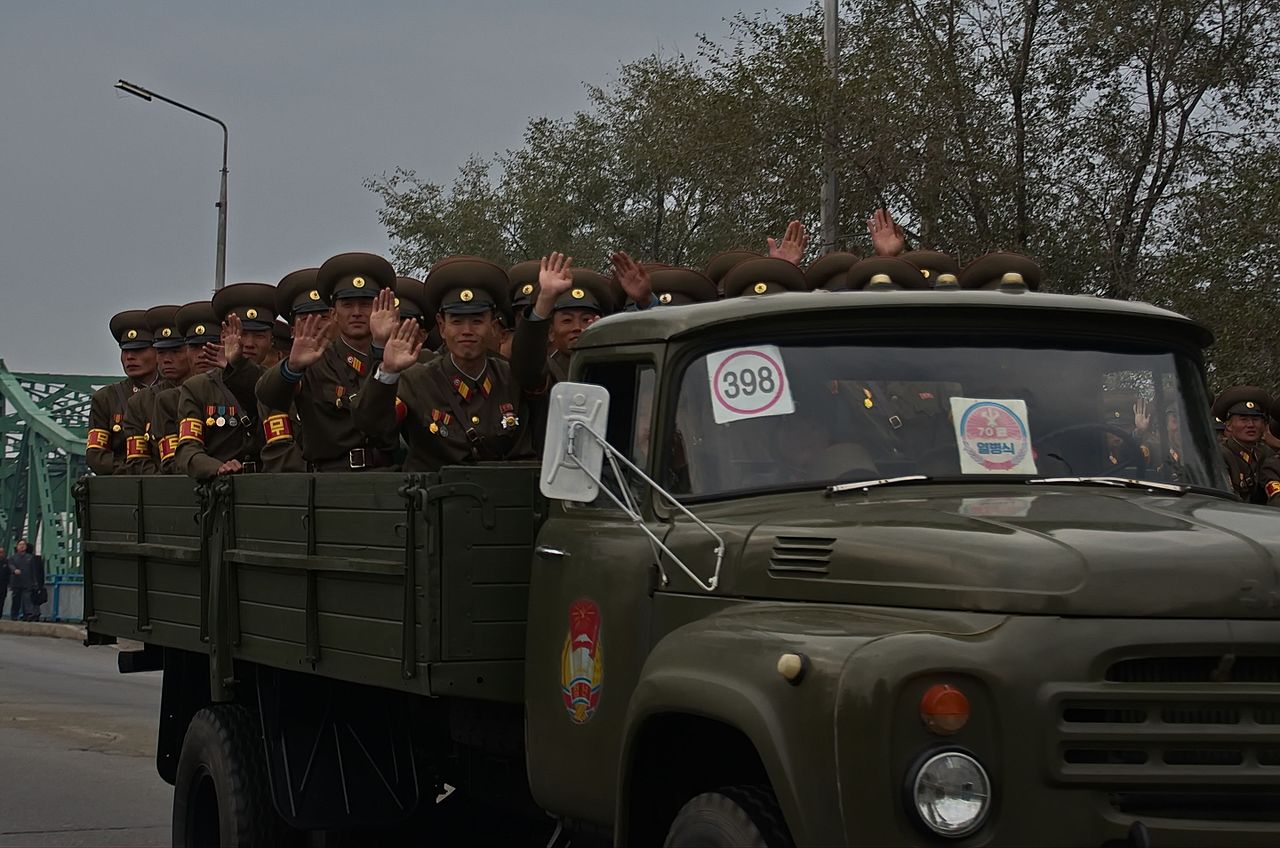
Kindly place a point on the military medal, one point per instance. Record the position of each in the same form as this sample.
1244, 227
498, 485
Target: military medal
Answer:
115, 428
221, 422
338, 391
867, 401
509, 419
233, 421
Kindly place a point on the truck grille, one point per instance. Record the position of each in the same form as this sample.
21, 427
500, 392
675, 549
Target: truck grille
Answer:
1177, 724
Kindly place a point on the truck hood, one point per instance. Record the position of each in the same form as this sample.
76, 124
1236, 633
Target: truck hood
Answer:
1067, 551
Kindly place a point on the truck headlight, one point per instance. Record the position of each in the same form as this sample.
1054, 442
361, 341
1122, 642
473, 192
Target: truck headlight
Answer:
951, 793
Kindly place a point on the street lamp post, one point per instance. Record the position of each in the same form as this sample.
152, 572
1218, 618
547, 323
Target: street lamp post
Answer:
830, 137
139, 91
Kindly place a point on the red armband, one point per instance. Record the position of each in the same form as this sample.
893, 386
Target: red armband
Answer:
191, 430
168, 447
1273, 489
135, 447
401, 411
98, 439
276, 428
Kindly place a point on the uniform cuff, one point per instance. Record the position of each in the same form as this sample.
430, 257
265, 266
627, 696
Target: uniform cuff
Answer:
290, 376
383, 377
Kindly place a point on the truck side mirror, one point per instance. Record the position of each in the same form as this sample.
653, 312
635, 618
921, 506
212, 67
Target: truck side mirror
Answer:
572, 456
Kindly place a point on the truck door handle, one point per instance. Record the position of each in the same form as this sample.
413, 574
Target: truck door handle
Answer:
547, 552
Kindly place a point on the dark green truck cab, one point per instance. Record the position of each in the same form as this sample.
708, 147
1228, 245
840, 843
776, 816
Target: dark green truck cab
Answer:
876, 568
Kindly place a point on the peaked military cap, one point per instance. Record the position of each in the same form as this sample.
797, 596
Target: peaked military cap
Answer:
1241, 400
130, 330
590, 290
466, 285
763, 275
297, 294
252, 303
198, 323
411, 298
681, 286
354, 275
281, 335
934, 264
885, 272
524, 283
722, 263
997, 269
830, 271
162, 322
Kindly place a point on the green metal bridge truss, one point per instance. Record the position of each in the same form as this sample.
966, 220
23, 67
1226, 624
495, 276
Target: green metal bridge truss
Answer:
44, 419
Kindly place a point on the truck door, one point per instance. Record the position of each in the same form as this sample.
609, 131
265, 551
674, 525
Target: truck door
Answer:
589, 609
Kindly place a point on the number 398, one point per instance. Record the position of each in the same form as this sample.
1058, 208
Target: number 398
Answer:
748, 381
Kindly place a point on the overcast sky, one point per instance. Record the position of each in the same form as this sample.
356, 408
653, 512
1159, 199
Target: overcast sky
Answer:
107, 201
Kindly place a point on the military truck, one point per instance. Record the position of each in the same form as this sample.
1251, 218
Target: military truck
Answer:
861, 568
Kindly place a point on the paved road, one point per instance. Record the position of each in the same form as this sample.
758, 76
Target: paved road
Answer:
77, 748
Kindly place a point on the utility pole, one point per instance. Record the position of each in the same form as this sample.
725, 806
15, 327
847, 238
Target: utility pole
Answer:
220, 272
830, 136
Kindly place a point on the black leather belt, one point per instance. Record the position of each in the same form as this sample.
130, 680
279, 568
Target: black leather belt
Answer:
357, 459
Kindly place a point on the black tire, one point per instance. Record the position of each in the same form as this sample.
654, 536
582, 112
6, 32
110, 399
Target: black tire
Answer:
222, 796
732, 817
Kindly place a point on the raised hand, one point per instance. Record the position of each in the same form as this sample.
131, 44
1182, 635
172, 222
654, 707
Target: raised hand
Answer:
887, 237
309, 341
554, 279
231, 338
214, 355
633, 278
385, 317
402, 348
1141, 416
793, 244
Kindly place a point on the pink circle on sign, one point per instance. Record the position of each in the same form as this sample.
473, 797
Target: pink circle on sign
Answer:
777, 395
993, 435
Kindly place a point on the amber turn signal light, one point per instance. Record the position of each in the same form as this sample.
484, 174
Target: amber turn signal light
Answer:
944, 709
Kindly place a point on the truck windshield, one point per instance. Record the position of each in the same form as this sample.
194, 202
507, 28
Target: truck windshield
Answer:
764, 417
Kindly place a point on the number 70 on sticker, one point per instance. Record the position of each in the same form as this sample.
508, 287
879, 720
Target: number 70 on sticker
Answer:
748, 382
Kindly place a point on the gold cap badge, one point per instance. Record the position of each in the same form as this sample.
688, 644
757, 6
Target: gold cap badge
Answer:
1247, 405
397, 303
358, 282
760, 288
924, 272
200, 329
166, 332
313, 294
665, 297
578, 294
132, 334
251, 313
465, 296
527, 288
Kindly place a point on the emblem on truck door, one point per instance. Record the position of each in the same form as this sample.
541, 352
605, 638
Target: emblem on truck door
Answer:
581, 665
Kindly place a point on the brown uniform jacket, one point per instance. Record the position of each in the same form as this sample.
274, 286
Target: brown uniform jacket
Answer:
164, 424
324, 400
214, 427
281, 431
447, 418
1244, 464
1269, 480
141, 444
105, 448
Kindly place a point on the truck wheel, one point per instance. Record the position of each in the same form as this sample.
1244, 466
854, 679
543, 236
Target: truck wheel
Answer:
742, 816
221, 796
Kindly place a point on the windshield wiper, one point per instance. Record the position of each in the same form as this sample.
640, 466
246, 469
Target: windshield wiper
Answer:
872, 484
1121, 482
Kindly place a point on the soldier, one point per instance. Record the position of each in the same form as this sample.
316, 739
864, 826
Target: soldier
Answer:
1243, 408
1269, 476
999, 270
196, 324
464, 406
792, 247
524, 287
765, 275
105, 448
281, 341
323, 375
217, 422
681, 286
723, 263
882, 273
830, 271
887, 238
142, 454
939, 269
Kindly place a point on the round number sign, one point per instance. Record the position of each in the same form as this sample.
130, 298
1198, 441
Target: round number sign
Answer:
994, 436
749, 382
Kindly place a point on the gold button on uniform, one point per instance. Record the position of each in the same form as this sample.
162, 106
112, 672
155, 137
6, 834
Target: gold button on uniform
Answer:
475, 419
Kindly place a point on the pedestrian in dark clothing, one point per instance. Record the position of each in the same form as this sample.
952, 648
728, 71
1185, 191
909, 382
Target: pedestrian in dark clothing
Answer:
4, 578
26, 578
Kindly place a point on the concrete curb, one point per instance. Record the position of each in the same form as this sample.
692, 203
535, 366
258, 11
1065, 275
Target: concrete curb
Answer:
52, 629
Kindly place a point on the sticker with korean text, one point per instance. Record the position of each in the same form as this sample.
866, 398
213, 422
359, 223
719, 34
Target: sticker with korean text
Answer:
992, 436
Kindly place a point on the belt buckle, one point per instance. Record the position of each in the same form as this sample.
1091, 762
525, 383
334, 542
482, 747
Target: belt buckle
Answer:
249, 467
895, 422
355, 458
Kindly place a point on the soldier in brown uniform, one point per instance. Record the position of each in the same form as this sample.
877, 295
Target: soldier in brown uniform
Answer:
323, 376
217, 427
142, 445
938, 269
681, 286
196, 327
105, 447
722, 263
464, 406
765, 275
1269, 476
829, 272
1243, 408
